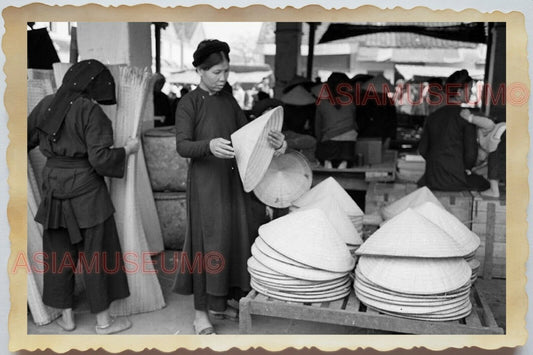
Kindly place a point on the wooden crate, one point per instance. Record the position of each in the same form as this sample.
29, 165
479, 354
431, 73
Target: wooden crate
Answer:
489, 223
351, 312
458, 203
380, 194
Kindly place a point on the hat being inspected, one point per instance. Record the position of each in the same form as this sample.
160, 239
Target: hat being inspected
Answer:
253, 152
287, 178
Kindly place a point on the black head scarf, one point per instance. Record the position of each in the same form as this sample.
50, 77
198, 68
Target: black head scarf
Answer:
88, 78
206, 48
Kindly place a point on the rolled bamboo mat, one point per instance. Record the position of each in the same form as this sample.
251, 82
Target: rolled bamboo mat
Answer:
145, 291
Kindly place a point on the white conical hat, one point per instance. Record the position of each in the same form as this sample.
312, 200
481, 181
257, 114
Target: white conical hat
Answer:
298, 96
413, 275
330, 187
253, 152
409, 234
412, 200
467, 239
308, 237
311, 274
338, 219
267, 250
288, 176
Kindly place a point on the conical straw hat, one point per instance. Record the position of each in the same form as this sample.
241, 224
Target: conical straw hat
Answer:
466, 239
253, 152
338, 219
295, 271
464, 290
418, 276
412, 200
267, 250
308, 237
298, 96
294, 298
330, 187
306, 291
409, 234
288, 177
315, 287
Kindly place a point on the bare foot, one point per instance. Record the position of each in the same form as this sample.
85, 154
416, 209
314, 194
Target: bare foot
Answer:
327, 164
343, 165
66, 322
202, 325
490, 193
115, 326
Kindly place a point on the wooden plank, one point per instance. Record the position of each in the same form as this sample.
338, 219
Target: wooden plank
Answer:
325, 305
245, 317
473, 318
353, 303
489, 243
338, 304
260, 297
486, 315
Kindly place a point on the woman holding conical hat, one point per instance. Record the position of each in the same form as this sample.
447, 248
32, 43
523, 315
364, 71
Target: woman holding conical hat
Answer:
76, 212
220, 224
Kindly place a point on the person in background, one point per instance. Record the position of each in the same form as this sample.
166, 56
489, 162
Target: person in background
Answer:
76, 137
162, 108
239, 94
220, 222
449, 144
335, 126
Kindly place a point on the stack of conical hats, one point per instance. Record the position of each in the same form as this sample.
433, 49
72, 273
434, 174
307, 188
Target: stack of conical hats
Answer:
412, 268
299, 257
331, 188
412, 200
253, 152
467, 240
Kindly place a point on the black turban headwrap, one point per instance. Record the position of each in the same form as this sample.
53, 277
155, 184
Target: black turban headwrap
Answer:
206, 48
88, 78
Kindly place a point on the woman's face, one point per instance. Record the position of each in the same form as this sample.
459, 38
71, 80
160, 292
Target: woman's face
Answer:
214, 78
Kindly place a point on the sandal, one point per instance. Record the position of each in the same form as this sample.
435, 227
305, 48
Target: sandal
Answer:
230, 313
64, 326
206, 330
116, 325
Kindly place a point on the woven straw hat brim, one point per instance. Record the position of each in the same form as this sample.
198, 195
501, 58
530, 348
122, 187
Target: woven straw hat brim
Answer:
458, 314
287, 178
466, 239
418, 276
267, 250
309, 238
338, 219
253, 152
298, 96
474, 264
410, 308
330, 187
305, 292
362, 280
294, 271
315, 287
288, 281
412, 200
341, 293
252, 263
409, 234
392, 299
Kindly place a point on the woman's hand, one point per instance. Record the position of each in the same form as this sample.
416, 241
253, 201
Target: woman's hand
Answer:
276, 139
221, 148
132, 145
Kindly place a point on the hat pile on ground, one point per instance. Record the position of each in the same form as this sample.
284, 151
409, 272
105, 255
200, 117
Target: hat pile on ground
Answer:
299, 257
339, 207
412, 268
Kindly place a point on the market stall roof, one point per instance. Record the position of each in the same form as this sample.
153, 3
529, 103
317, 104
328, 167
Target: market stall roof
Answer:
474, 32
431, 71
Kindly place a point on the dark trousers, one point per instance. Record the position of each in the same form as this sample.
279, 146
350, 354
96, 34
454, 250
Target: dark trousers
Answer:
100, 257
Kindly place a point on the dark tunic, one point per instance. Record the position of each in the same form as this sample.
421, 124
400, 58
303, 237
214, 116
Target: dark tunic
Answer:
219, 213
87, 136
449, 146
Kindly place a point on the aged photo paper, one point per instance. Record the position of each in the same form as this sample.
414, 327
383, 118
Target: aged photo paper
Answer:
515, 254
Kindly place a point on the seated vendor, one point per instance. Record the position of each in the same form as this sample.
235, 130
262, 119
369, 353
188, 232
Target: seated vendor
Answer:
449, 142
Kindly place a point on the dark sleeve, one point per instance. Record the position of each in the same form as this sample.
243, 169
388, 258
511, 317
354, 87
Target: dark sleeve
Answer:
34, 119
241, 117
390, 123
423, 145
470, 145
105, 160
186, 145
318, 125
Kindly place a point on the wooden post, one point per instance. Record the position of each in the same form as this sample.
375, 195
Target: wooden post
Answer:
489, 241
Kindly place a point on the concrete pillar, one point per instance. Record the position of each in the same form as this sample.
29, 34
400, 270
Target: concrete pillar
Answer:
116, 42
288, 40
